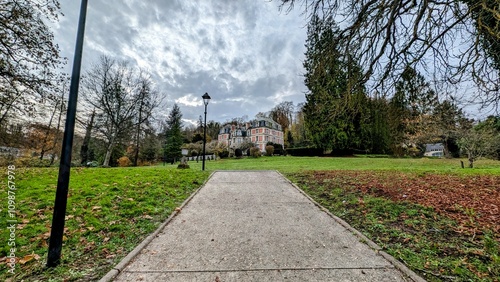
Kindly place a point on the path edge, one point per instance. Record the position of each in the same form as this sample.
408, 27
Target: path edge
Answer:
362, 238
117, 269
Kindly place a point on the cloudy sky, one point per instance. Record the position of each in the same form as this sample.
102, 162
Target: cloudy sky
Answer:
246, 54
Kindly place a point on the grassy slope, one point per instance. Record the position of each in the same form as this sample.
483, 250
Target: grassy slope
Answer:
297, 164
111, 210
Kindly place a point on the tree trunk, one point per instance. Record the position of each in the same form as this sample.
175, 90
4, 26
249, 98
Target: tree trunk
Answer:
471, 160
84, 151
47, 133
447, 153
56, 135
137, 137
136, 153
109, 150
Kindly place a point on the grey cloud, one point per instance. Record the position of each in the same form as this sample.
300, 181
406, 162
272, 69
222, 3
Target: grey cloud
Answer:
241, 52
241, 64
202, 32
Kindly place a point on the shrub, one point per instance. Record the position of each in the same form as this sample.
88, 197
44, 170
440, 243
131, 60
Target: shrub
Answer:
7, 160
183, 166
124, 161
255, 152
146, 163
224, 154
269, 150
31, 162
238, 153
278, 148
310, 152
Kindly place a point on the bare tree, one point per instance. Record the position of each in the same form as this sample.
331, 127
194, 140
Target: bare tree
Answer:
298, 127
110, 88
58, 109
28, 56
454, 40
88, 125
148, 100
476, 143
282, 114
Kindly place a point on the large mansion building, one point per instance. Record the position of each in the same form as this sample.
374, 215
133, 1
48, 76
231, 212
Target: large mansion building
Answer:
259, 132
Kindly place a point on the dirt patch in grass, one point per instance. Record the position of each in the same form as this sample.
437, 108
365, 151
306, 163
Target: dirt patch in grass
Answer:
444, 227
472, 201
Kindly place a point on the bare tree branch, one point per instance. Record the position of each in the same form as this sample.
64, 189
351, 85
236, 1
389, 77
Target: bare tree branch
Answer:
457, 41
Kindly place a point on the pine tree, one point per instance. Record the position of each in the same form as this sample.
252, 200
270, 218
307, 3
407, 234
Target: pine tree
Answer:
375, 128
333, 109
412, 110
449, 119
173, 135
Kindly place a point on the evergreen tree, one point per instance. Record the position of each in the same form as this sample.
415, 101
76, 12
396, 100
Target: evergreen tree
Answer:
289, 138
332, 111
172, 150
449, 121
375, 129
411, 111
150, 146
397, 116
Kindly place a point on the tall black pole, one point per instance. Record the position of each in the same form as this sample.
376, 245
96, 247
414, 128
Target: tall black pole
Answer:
204, 137
56, 233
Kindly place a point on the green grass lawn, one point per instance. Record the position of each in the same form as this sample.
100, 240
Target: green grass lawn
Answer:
297, 164
111, 210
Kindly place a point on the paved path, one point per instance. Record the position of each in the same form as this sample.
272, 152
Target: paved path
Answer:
255, 226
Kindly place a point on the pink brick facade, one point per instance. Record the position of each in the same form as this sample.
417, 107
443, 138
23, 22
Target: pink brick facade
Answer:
259, 132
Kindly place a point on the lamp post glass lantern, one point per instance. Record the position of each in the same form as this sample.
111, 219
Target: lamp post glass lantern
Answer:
206, 99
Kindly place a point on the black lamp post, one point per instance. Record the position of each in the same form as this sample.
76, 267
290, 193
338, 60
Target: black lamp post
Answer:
206, 99
58, 218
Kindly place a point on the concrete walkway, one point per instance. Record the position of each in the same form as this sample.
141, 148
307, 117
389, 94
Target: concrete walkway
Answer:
256, 226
